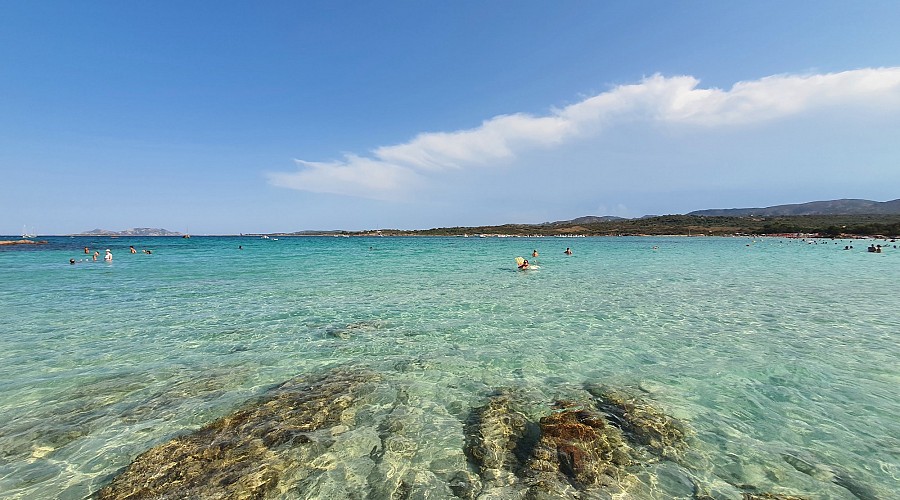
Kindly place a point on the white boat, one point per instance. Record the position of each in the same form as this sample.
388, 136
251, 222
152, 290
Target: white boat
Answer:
26, 235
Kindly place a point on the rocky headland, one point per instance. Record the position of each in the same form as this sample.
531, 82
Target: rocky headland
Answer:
22, 242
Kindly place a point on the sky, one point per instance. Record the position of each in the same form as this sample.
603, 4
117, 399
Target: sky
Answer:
234, 117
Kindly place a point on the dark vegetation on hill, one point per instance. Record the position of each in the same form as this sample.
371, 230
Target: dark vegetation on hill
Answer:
824, 225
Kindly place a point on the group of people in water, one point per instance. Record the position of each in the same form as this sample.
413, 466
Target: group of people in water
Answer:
873, 248
107, 258
534, 254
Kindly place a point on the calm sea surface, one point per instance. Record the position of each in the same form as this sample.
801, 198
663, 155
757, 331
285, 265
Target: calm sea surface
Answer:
782, 357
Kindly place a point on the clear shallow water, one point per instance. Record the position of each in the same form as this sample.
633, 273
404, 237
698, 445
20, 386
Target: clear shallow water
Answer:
781, 356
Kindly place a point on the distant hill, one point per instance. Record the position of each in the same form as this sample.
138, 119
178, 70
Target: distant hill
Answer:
137, 231
587, 219
832, 207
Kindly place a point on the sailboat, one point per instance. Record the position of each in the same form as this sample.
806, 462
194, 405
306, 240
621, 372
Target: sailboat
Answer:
26, 235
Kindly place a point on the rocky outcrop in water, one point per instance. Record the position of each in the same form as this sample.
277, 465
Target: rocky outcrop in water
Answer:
244, 454
642, 422
578, 449
769, 496
353, 434
595, 443
22, 242
570, 450
494, 434
499, 440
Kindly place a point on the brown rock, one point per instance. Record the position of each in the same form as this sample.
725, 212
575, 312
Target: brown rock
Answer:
578, 443
242, 455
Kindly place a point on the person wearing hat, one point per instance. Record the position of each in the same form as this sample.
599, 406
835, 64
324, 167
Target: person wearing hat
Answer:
108, 257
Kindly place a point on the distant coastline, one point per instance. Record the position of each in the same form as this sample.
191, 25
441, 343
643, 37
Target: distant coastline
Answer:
137, 231
847, 218
828, 226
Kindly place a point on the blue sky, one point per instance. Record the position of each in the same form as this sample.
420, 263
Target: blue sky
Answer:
228, 117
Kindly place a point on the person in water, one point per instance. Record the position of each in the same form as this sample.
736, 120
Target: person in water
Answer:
568, 251
524, 265
534, 253
96, 254
132, 249
108, 257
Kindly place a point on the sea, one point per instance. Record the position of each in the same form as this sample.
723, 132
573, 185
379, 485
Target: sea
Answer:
780, 357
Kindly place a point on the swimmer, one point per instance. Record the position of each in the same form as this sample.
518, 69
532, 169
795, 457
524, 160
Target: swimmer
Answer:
524, 265
71, 261
87, 250
568, 251
96, 254
108, 256
132, 249
148, 252
534, 253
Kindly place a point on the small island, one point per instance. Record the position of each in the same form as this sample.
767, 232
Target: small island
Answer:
136, 231
22, 242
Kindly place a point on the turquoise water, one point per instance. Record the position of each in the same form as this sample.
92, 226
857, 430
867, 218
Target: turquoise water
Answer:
781, 356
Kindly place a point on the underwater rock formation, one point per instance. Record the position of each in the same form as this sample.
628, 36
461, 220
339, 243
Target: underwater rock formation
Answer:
499, 438
573, 449
770, 496
642, 422
353, 329
579, 445
493, 432
415, 431
243, 455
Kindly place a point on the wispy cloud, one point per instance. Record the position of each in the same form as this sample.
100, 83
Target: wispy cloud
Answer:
391, 172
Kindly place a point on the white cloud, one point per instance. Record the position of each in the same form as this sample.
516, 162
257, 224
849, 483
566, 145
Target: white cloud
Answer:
390, 172
354, 176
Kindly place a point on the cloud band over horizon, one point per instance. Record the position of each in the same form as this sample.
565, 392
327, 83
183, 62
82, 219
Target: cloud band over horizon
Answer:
394, 172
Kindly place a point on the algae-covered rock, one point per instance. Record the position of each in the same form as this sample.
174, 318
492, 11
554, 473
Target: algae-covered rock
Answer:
641, 421
578, 444
243, 455
770, 496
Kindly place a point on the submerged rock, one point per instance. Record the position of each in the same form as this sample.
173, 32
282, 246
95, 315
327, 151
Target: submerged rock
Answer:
243, 455
642, 422
578, 444
419, 456
770, 496
499, 438
353, 329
